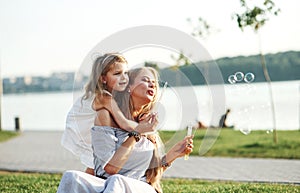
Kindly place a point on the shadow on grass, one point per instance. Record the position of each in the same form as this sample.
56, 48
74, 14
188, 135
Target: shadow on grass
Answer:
253, 145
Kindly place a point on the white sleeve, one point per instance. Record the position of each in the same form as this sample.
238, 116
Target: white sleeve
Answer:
104, 143
77, 137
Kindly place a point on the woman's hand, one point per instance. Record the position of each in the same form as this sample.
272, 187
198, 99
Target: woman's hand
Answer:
180, 149
183, 147
152, 138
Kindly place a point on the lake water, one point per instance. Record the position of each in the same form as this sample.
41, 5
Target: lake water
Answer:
250, 106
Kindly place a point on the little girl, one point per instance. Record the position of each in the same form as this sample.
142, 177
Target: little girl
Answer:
109, 75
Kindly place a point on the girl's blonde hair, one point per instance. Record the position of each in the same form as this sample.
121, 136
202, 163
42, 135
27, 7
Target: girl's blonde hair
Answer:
101, 66
154, 172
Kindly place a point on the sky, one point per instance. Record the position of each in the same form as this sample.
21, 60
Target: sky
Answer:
39, 37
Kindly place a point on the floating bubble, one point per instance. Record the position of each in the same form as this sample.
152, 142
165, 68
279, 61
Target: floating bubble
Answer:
231, 79
250, 88
239, 76
249, 77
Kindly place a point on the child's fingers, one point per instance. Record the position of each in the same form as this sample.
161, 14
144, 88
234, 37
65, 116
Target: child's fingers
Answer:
148, 117
154, 119
145, 117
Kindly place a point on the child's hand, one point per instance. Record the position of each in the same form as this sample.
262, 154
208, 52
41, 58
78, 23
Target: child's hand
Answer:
147, 123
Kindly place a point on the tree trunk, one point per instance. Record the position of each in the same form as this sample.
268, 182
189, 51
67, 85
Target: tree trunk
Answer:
267, 77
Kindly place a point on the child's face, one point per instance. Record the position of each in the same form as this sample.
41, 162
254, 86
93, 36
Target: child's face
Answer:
117, 77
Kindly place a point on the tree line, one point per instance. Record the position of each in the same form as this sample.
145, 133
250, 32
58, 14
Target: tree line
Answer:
282, 66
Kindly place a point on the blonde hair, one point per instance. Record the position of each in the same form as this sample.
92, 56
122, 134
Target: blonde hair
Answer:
101, 66
155, 171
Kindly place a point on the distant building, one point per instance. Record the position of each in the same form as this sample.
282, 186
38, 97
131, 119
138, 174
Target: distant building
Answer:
62, 81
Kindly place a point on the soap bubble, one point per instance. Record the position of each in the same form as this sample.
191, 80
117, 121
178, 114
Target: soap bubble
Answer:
249, 77
231, 79
239, 76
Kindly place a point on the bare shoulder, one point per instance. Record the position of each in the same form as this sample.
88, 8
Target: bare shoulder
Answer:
101, 101
103, 118
104, 113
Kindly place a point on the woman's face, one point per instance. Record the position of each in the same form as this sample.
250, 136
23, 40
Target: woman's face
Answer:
144, 88
117, 77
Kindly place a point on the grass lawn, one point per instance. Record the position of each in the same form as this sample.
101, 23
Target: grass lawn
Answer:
191, 186
231, 143
28, 182
42, 183
6, 135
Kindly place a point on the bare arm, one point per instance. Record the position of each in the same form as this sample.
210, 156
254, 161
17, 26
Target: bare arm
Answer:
180, 149
104, 118
120, 157
122, 153
110, 104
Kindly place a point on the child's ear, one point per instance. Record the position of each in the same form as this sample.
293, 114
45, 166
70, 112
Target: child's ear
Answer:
130, 88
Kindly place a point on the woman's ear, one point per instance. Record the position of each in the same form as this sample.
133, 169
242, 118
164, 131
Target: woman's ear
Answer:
102, 79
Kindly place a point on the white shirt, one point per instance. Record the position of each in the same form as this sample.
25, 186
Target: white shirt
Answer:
106, 140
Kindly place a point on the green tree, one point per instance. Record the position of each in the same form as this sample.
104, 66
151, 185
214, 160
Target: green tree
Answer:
256, 17
200, 29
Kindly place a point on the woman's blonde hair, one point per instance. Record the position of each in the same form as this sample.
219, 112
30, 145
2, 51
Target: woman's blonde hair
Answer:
101, 66
124, 100
154, 172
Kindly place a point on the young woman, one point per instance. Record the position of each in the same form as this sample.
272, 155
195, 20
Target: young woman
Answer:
127, 162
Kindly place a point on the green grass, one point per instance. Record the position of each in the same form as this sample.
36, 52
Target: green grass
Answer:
32, 182
28, 182
191, 186
6, 135
231, 143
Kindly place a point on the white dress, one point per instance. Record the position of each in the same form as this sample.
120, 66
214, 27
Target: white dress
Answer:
130, 179
79, 182
77, 137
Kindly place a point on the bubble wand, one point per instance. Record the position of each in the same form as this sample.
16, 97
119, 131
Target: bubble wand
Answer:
158, 101
160, 97
189, 133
